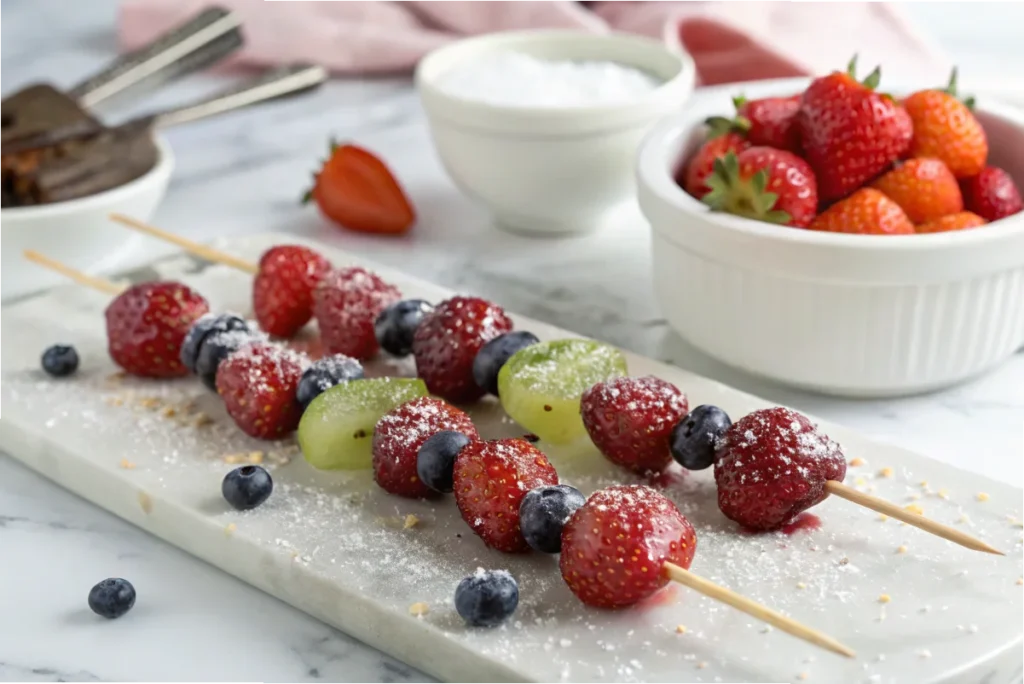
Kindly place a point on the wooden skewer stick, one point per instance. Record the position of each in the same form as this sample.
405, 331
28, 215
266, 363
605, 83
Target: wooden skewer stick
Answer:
200, 250
909, 517
96, 283
750, 607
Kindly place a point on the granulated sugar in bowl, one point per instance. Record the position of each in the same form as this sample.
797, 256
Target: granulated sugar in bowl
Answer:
542, 127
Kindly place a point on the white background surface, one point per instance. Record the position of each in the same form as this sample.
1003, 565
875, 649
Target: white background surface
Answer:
243, 173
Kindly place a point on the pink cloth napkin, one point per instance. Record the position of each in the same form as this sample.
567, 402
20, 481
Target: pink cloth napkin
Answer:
729, 41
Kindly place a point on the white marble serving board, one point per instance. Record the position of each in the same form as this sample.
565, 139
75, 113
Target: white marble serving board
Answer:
334, 545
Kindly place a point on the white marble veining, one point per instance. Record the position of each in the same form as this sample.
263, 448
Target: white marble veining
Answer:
244, 173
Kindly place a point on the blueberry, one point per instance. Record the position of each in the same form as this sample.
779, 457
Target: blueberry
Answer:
435, 460
396, 325
112, 597
247, 487
204, 326
493, 355
487, 597
693, 438
60, 360
544, 512
216, 347
324, 374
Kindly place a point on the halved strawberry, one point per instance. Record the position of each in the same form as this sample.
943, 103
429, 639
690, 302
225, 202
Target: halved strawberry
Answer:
356, 190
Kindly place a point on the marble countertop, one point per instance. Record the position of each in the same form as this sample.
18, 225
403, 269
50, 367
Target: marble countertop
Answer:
244, 173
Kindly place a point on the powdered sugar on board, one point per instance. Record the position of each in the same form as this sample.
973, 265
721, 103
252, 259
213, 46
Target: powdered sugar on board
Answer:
338, 547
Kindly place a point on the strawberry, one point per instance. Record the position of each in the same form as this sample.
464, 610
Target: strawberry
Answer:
991, 194
764, 184
399, 435
958, 221
945, 128
867, 212
702, 163
146, 325
258, 384
772, 121
614, 546
773, 464
924, 188
491, 478
356, 190
447, 341
346, 303
282, 292
630, 420
850, 133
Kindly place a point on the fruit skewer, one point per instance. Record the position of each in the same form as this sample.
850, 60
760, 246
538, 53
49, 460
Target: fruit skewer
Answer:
164, 330
770, 466
294, 284
618, 548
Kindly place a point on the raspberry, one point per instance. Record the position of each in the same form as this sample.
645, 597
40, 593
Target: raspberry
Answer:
146, 325
447, 341
258, 384
400, 433
491, 479
773, 464
614, 546
282, 292
630, 420
346, 303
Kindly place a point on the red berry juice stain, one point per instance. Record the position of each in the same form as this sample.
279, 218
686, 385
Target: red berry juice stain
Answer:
664, 597
804, 521
667, 478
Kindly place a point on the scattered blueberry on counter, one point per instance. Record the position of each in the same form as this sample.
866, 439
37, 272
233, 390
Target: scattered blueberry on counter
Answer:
544, 512
493, 355
693, 439
247, 487
60, 360
396, 325
435, 460
324, 374
487, 597
112, 597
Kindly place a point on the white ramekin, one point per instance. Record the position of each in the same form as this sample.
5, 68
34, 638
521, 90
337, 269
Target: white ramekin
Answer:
550, 171
78, 232
852, 315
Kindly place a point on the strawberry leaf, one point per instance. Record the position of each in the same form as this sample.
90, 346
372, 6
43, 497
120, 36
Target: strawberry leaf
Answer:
739, 101
778, 216
873, 79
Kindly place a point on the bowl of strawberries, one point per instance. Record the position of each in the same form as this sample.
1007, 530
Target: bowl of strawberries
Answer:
838, 237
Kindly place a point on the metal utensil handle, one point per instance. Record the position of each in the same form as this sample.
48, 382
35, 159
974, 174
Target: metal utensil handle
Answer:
275, 83
165, 51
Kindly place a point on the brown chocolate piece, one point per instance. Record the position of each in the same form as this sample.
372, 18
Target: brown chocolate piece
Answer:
79, 167
38, 111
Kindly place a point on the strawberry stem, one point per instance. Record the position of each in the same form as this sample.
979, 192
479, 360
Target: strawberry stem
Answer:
720, 125
733, 194
951, 89
873, 79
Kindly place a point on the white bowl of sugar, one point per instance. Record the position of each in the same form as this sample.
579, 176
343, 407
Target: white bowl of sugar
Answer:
543, 126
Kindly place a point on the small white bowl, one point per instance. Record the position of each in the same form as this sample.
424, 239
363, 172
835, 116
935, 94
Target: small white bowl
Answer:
851, 315
550, 171
78, 232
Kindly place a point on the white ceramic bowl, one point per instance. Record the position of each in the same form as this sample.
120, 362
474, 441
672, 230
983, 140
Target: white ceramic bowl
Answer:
550, 170
853, 315
78, 232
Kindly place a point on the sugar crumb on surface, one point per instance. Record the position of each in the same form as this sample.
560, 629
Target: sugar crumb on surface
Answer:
126, 464
885, 472
419, 609
981, 496
229, 529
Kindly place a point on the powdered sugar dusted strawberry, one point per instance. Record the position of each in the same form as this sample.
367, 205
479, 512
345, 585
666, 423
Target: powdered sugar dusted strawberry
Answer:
615, 545
258, 383
146, 325
400, 433
447, 341
346, 303
491, 478
282, 291
630, 420
773, 464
